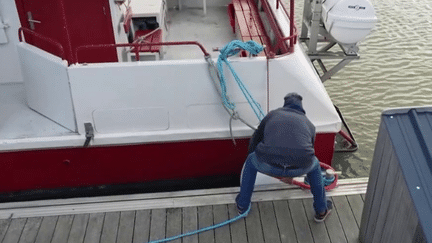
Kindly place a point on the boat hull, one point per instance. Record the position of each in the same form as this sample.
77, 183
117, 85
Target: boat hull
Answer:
128, 164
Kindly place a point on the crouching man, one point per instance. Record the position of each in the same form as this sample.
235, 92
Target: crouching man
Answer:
283, 146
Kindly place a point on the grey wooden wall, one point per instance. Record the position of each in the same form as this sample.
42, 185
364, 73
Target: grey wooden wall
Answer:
390, 214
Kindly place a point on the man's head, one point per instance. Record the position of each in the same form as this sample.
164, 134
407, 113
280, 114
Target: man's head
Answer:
294, 101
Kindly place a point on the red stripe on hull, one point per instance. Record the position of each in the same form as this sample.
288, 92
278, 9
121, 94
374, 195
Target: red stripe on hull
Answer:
81, 167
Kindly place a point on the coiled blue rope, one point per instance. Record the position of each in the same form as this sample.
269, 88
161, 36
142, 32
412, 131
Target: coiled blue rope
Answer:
229, 50
206, 228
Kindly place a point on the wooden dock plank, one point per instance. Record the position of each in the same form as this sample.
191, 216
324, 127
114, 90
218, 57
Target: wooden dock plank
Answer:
205, 219
253, 225
30, 230
174, 223
318, 230
347, 218
157, 224
78, 229
270, 229
220, 214
110, 227
126, 226
301, 224
14, 231
62, 229
334, 227
238, 228
356, 204
46, 230
94, 227
190, 223
284, 221
4, 225
142, 226
269, 221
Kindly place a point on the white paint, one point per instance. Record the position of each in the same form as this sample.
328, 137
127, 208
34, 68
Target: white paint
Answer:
294, 73
184, 88
348, 21
47, 85
18, 121
3, 27
197, 3
10, 71
131, 120
148, 8
117, 17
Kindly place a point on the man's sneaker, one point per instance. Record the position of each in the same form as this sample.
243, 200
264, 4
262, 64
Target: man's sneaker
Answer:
319, 218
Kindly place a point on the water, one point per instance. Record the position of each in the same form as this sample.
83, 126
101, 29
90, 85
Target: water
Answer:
395, 70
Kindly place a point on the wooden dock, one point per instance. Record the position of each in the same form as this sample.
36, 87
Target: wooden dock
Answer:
278, 214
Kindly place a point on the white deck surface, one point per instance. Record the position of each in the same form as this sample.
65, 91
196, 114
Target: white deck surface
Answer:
17, 120
190, 24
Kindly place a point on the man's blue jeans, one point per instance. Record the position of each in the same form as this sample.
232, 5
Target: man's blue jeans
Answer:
252, 166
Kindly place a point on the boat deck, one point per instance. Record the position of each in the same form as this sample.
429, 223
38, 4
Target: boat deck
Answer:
212, 30
19, 121
279, 214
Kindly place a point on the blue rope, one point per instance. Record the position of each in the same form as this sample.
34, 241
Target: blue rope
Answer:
206, 228
232, 49
229, 50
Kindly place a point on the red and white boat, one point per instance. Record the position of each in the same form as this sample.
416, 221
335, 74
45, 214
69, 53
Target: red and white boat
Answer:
109, 93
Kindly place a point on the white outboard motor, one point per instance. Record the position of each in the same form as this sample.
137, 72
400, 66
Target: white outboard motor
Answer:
348, 21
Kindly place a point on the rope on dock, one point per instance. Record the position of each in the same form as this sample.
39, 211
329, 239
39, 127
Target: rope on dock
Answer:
206, 228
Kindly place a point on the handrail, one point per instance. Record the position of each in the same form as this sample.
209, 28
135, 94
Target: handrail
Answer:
21, 30
280, 39
293, 28
136, 45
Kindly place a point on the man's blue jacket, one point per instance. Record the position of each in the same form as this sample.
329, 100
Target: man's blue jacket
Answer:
285, 137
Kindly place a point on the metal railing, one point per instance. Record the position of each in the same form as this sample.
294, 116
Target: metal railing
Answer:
281, 46
137, 45
42, 37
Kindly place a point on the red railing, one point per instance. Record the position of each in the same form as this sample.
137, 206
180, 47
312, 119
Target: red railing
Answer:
136, 45
281, 45
42, 37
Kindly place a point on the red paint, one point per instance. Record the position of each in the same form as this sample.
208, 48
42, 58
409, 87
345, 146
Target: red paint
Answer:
85, 49
80, 167
72, 24
231, 16
324, 147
